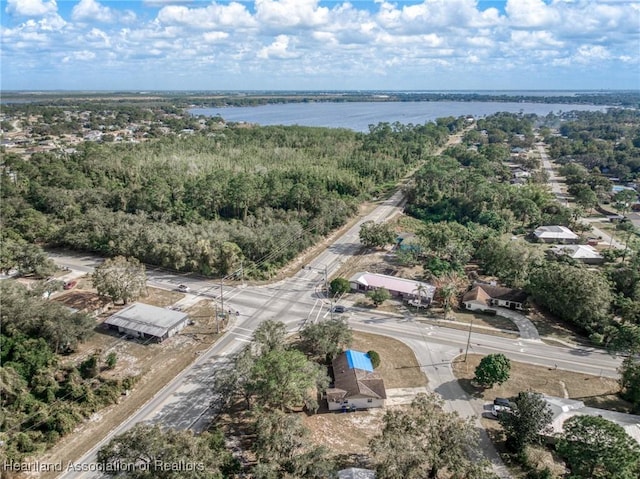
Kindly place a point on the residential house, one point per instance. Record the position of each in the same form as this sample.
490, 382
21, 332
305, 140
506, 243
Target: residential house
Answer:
147, 322
483, 296
356, 385
584, 253
356, 473
555, 234
564, 408
399, 287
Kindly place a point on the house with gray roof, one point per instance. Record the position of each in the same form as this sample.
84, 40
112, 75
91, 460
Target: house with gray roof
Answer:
147, 322
356, 473
563, 409
580, 252
555, 234
356, 385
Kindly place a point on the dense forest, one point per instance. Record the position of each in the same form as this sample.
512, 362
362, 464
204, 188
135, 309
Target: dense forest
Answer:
203, 202
43, 397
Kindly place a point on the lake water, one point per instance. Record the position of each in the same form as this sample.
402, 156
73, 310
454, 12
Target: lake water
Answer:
359, 115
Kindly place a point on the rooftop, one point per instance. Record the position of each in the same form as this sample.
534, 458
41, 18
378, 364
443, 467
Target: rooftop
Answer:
554, 231
147, 319
358, 360
400, 285
564, 409
577, 251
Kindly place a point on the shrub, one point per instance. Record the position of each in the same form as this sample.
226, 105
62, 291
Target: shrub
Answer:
375, 358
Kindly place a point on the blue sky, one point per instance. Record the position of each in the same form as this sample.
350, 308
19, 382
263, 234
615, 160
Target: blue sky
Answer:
325, 45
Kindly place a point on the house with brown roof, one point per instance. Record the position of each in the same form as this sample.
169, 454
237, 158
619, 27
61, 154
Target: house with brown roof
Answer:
484, 296
356, 385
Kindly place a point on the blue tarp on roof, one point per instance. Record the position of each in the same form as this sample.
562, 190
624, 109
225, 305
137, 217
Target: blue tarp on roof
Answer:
358, 360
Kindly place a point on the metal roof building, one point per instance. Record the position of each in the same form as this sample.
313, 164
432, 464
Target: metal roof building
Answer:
405, 288
147, 322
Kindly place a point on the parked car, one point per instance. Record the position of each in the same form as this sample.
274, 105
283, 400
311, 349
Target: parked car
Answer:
183, 288
339, 309
497, 409
69, 284
502, 402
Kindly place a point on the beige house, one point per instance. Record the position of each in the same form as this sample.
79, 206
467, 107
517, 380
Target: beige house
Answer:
484, 296
356, 384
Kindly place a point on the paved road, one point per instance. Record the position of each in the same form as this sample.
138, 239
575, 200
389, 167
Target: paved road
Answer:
556, 189
183, 403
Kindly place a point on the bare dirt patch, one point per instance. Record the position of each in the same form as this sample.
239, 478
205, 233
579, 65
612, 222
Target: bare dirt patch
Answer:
161, 297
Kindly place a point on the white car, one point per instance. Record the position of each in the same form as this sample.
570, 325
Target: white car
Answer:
183, 288
496, 409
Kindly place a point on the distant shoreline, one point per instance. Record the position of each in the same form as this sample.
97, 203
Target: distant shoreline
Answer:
218, 99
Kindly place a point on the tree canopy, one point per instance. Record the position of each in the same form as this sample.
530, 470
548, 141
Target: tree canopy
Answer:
424, 441
149, 452
326, 339
493, 369
120, 279
596, 448
529, 417
376, 235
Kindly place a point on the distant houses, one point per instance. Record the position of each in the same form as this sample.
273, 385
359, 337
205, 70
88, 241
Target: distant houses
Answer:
400, 287
356, 384
555, 234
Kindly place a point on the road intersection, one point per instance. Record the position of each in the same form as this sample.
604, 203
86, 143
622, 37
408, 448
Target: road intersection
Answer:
185, 401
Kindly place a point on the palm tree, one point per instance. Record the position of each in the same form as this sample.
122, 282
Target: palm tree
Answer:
420, 290
448, 286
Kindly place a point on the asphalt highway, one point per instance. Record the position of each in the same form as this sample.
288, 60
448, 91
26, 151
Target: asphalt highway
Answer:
185, 401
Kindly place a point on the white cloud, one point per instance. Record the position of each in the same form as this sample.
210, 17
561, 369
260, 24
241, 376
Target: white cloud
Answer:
88, 10
288, 13
213, 16
436, 14
323, 39
531, 13
84, 55
278, 49
214, 37
533, 40
592, 53
31, 8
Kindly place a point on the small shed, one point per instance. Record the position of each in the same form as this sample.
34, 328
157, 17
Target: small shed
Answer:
147, 322
356, 384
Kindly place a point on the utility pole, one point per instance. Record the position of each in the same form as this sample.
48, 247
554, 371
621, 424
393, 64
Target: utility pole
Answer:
222, 294
468, 340
215, 305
